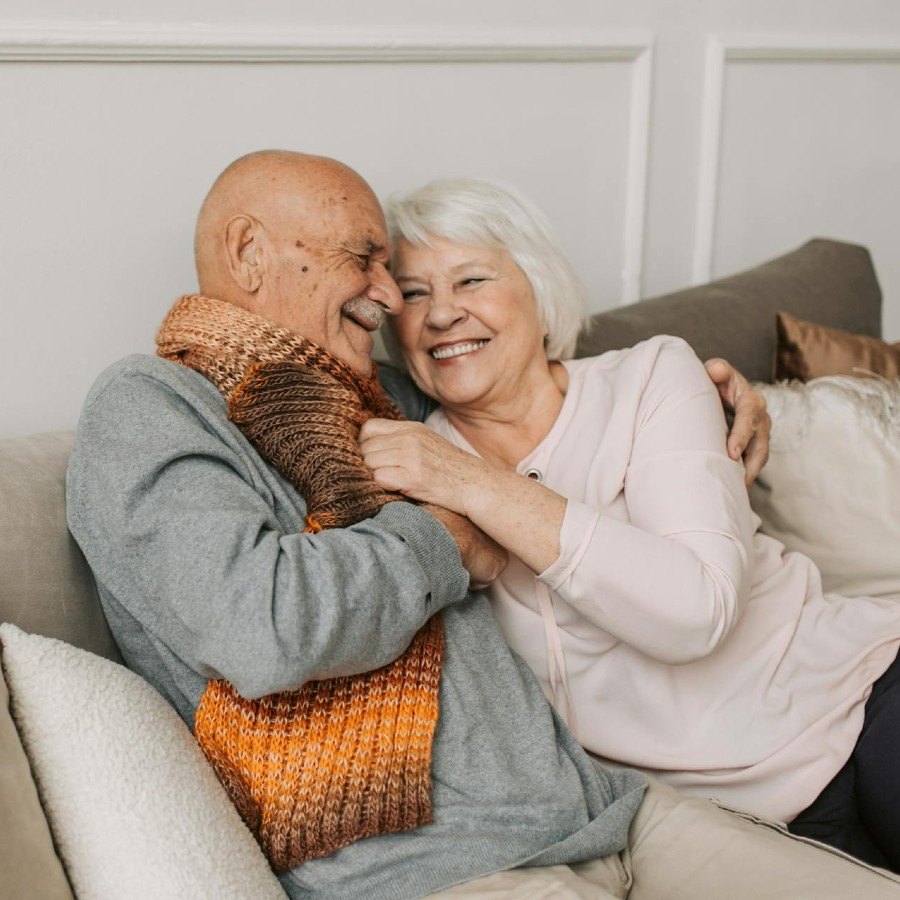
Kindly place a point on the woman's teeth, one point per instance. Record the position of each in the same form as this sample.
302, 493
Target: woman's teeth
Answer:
457, 349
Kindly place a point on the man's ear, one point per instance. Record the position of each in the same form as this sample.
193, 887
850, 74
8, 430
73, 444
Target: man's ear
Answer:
244, 252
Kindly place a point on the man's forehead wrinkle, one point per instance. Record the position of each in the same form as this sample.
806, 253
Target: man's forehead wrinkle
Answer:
345, 233
331, 254
326, 207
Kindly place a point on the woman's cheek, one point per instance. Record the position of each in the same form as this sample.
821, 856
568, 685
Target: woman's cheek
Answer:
407, 328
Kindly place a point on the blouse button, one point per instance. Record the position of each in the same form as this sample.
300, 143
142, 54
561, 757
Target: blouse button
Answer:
533, 474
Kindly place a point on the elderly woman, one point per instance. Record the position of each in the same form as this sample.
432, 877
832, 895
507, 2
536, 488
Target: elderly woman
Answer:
666, 630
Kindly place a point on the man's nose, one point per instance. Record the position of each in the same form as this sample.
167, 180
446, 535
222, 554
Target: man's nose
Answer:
383, 289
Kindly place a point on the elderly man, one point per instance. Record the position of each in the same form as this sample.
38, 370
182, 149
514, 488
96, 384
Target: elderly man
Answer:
319, 637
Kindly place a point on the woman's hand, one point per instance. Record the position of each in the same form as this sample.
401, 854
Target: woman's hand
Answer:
521, 515
411, 459
751, 425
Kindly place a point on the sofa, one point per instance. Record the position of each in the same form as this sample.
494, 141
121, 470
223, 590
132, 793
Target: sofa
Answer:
47, 590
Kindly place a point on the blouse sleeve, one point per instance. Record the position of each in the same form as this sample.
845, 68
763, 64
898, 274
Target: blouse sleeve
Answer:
670, 581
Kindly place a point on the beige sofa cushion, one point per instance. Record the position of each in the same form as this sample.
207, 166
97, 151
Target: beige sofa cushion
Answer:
28, 861
46, 585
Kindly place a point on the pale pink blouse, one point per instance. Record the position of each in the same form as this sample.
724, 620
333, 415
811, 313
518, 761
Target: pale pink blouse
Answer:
669, 633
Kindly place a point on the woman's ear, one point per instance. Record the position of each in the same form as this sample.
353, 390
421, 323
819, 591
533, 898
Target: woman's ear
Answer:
244, 252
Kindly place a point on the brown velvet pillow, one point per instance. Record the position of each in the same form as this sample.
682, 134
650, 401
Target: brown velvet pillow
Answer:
806, 350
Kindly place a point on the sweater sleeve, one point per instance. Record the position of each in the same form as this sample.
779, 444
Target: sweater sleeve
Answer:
202, 544
671, 579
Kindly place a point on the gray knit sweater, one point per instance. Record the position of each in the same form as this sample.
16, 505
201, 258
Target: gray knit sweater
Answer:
204, 572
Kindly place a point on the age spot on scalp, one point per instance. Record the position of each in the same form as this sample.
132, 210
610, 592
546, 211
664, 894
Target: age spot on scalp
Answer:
298, 244
305, 269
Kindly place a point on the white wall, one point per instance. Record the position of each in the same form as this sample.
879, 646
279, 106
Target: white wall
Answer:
670, 142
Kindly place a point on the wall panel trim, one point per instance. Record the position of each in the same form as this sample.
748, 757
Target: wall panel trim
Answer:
149, 43
768, 49
206, 44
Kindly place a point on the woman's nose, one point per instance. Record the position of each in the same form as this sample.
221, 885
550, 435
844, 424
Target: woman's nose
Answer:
443, 310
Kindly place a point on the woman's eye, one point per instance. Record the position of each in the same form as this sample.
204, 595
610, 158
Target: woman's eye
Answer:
411, 296
468, 281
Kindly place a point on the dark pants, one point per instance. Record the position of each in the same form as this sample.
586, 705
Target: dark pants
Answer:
859, 810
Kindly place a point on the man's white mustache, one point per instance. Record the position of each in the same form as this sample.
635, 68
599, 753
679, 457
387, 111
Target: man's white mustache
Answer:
362, 307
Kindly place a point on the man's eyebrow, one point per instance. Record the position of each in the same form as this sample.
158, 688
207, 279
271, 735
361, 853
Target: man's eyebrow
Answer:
368, 247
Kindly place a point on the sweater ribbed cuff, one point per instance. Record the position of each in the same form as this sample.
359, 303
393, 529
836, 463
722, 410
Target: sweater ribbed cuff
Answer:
434, 548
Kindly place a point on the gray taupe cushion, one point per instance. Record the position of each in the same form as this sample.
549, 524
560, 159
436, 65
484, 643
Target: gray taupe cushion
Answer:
824, 281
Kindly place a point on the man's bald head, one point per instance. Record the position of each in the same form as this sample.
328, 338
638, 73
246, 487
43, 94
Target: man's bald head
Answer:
268, 185
300, 240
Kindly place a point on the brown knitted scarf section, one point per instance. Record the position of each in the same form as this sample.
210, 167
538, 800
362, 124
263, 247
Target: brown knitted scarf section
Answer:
314, 769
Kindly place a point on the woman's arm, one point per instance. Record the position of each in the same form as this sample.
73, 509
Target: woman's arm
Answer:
671, 579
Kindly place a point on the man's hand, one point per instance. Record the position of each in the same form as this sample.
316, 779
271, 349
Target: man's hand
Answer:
751, 425
483, 558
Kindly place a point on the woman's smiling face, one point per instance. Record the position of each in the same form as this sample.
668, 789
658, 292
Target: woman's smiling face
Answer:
469, 328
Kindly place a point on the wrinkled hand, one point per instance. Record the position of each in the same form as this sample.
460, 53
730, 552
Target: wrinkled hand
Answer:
411, 459
751, 425
482, 557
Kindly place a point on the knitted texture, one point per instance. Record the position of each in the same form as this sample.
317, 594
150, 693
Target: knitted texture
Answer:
314, 769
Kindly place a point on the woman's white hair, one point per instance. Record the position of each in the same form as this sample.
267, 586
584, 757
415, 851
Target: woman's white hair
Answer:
490, 215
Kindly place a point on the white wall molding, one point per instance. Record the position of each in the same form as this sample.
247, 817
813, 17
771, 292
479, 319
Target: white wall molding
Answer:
722, 50
708, 165
196, 43
636, 178
54, 43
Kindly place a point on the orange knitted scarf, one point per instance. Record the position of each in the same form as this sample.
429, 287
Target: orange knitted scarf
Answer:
314, 769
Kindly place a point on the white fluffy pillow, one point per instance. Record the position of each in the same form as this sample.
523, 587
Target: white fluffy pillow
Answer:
831, 488
135, 809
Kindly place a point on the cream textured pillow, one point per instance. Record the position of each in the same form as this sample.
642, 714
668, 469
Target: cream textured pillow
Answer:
135, 809
831, 488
